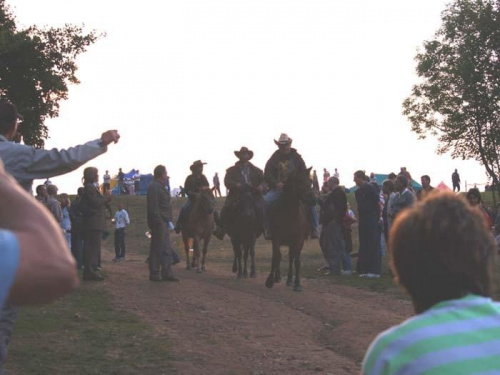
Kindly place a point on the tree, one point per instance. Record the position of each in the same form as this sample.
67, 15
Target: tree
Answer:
458, 97
36, 67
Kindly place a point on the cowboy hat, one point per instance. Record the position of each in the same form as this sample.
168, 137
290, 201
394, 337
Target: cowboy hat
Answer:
242, 151
197, 163
284, 139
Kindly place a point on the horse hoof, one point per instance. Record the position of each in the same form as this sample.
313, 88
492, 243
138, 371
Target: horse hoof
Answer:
269, 283
297, 288
289, 282
253, 275
198, 270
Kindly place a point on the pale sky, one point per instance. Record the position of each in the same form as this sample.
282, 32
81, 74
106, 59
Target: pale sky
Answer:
188, 80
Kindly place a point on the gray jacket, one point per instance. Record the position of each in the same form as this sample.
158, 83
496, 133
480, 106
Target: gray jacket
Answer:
26, 163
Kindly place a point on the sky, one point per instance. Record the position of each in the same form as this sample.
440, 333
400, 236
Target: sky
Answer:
196, 80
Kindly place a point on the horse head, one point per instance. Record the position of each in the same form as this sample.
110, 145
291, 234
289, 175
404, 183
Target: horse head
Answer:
298, 186
205, 201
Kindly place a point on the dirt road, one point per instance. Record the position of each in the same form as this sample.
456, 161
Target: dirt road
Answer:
220, 325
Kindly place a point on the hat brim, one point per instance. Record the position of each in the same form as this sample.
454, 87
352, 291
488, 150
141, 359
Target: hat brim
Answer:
289, 142
238, 153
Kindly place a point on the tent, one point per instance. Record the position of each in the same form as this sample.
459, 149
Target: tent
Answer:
443, 187
145, 180
381, 177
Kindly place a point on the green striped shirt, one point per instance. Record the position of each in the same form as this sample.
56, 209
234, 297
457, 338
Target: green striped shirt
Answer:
460, 336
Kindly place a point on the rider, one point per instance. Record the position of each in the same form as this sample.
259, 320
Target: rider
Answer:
195, 183
241, 174
281, 164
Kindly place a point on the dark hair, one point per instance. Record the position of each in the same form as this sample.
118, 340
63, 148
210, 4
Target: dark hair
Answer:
375, 185
334, 180
8, 116
389, 184
360, 174
40, 188
159, 170
52, 189
441, 250
426, 178
80, 191
402, 180
392, 175
474, 192
90, 175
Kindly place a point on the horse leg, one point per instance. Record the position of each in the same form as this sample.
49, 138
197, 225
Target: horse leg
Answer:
274, 264
235, 252
186, 250
206, 240
289, 278
246, 248
253, 274
196, 252
297, 287
277, 271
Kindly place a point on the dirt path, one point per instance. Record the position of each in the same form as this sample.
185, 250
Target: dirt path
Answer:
220, 325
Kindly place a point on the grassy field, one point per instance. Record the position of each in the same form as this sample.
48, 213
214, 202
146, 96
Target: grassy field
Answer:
85, 333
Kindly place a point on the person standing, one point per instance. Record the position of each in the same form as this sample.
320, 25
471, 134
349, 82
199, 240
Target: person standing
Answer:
121, 178
122, 220
137, 182
326, 175
333, 211
370, 257
41, 194
25, 164
404, 196
159, 214
336, 173
426, 187
93, 207
53, 204
106, 182
216, 182
66, 220
315, 182
76, 216
455, 180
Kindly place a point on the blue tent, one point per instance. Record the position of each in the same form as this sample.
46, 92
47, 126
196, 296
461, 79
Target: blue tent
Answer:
145, 180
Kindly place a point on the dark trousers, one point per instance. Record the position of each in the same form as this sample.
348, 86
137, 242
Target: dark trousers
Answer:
120, 242
369, 257
77, 246
92, 250
456, 185
160, 252
332, 245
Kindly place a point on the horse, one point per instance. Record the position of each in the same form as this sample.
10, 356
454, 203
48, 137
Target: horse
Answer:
198, 226
290, 226
244, 226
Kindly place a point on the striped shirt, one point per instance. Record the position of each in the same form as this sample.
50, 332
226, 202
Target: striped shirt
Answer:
460, 336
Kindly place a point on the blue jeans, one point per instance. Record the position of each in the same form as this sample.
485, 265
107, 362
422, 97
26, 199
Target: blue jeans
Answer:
346, 260
272, 196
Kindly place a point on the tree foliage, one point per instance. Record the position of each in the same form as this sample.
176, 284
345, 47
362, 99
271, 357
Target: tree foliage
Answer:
36, 67
458, 96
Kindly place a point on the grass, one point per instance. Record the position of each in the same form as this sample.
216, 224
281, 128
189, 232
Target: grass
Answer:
84, 334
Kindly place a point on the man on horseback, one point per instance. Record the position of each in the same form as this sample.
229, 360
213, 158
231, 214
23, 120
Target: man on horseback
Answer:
241, 175
194, 183
278, 168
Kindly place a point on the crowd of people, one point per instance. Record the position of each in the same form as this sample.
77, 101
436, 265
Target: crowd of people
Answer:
440, 245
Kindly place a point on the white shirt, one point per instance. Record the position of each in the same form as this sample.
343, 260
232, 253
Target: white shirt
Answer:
121, 219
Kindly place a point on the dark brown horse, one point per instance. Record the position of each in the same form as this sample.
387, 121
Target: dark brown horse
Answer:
244, 226
198, 226
290, 226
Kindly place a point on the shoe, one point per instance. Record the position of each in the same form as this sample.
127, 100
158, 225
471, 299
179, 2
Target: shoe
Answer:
98, 268
92, 276
171, 278
154, 278
314, 233
324, 268
346, 273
